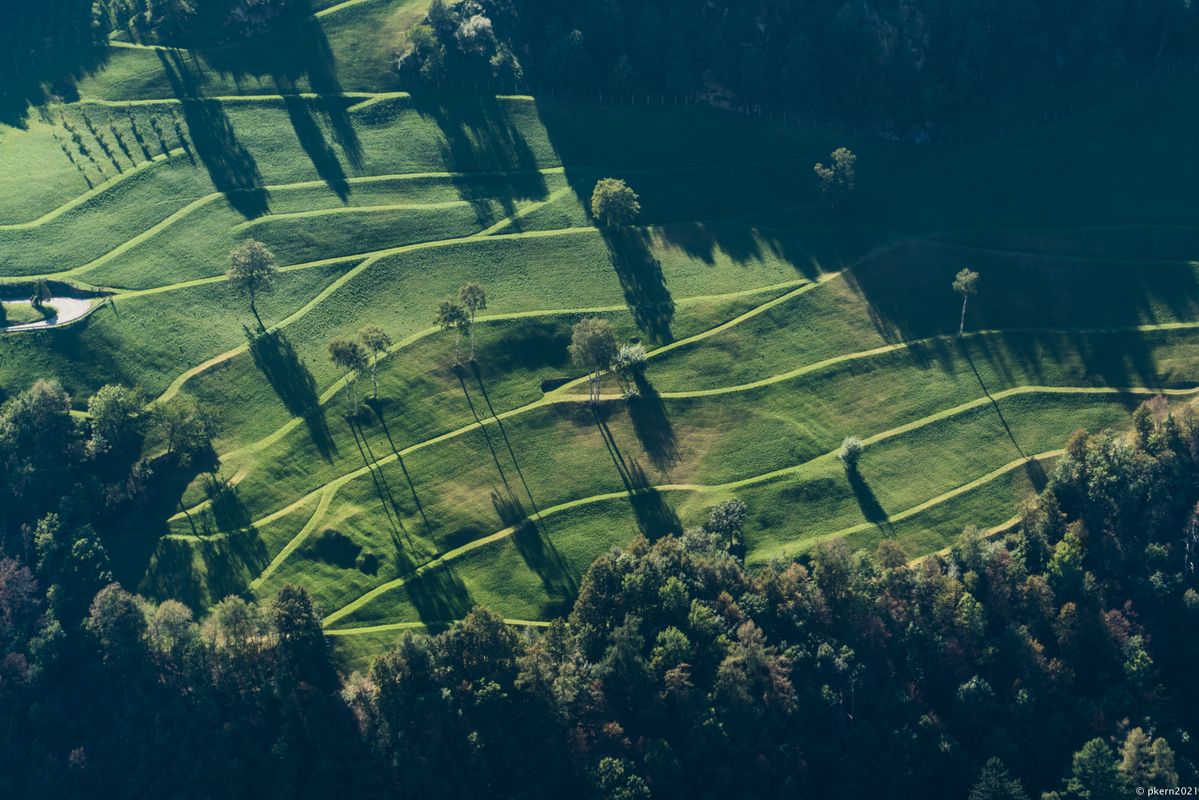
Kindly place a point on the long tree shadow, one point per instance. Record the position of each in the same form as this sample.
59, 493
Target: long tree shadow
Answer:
391, 509
439, 595
312, 139
654, 515
477, 138
652, 425
295, 48
641, 278
495, 457
277, 359
231, 167
507, 442
228, 511
403, 468
995, 405
1037, 306
868, 503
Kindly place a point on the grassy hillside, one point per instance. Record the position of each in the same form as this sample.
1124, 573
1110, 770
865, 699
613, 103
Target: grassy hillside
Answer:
775, 327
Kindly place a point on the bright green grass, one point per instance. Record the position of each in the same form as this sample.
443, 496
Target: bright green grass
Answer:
531, 575
787, 514
350, 49
514, 357
885, 300
562, 456
734, 435
145, 343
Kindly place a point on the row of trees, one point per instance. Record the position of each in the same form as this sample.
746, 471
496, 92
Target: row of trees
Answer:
1059, 660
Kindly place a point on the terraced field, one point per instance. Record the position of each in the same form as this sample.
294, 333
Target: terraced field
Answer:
775, 327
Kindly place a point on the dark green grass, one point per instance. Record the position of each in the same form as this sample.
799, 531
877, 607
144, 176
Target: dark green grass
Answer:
533, 575
935, 528
707, 439
417, 394
904, 293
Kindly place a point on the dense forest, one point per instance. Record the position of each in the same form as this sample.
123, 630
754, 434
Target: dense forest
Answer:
1059, 659
899, 66
896, 65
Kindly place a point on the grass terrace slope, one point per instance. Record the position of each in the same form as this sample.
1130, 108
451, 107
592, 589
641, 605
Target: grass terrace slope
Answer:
774, 327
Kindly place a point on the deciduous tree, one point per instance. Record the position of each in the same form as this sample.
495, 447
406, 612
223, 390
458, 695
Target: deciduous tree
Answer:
614, 204
376, 341
350, 357
592, 347
452, 316
252, 270
474, 300
838, 179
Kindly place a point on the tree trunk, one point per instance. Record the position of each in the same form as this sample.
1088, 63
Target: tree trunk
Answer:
375, 374
962, 324
472, 336
254, 308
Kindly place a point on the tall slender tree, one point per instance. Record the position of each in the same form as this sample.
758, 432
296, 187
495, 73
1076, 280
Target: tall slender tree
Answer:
376, 341
474, 299
452, 316
349, 356
965, 283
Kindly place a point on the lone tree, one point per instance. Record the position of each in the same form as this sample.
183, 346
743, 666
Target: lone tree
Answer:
252, 270
452, 316
593, 347
474, 299
965, 283
850, 453
614, 204
349, 356
837, 180
376, 341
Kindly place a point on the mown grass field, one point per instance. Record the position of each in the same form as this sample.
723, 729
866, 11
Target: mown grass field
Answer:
775, 327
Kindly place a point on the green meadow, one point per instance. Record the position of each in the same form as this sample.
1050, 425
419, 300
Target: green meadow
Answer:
775, 327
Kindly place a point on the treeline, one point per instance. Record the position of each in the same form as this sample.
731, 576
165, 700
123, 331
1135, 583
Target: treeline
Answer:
1059, 659
892, 64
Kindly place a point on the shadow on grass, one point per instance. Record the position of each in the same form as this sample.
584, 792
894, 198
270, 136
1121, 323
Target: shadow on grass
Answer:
1038, 308
200, 572
652, 425
233, 170
507, 442
281, 365
654, 515
391, 509
376, 408
869, 505
641, 278
480, 138
438, 595
312, 139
